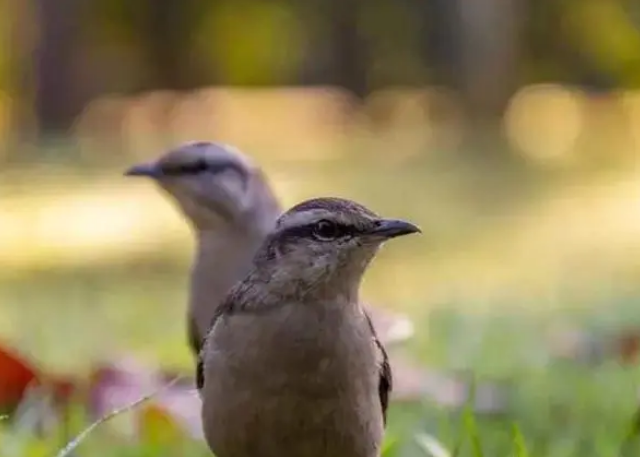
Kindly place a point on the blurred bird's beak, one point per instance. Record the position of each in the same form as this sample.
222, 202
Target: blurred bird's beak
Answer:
149, 170
392, 228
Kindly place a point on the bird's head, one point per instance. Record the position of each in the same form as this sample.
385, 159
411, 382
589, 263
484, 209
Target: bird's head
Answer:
328, 241
213, 185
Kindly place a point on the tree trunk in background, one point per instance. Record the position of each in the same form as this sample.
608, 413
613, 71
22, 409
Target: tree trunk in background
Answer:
437, 37
349, 50
488, 37
19, 77
337, 54
167, 29
478, 43
58, 99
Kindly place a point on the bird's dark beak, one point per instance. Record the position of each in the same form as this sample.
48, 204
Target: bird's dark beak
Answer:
149, 170
392, 228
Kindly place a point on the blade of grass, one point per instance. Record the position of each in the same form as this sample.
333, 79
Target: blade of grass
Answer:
472, 430
388, 445
632, 433
470, 421
431, 446
518, 442
467, 410
72, 445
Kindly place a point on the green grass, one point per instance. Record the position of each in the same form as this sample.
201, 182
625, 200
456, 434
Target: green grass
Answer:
484, 287
555, 408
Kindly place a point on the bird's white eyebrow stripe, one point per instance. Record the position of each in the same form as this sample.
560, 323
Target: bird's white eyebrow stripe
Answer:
304, 217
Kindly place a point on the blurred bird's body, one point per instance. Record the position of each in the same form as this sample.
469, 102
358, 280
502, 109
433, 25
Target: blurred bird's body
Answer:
231, 208
292, 365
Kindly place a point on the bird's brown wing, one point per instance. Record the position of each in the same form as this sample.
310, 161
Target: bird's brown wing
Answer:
385, 383
196, 343
199, 373
193, 336
199, 344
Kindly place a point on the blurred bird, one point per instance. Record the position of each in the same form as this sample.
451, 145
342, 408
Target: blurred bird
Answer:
292, 365
231, 208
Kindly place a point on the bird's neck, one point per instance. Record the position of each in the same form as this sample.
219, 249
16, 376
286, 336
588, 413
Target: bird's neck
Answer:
338, 291
285, 289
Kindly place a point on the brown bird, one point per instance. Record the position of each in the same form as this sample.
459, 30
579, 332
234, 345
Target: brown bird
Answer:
231, 208
291, 365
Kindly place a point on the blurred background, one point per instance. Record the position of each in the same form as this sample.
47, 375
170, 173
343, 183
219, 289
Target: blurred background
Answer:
509, 130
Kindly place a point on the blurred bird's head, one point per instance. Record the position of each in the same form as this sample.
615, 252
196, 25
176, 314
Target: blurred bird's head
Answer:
328, 240
214, 185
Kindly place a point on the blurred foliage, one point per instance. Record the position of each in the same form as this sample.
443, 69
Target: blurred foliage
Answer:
608, 37
269, 54
5, 51
124, 47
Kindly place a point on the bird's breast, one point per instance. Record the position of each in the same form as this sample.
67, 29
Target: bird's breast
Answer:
296, 346
293, 372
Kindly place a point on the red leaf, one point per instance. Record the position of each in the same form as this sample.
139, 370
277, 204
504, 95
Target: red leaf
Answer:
15, 376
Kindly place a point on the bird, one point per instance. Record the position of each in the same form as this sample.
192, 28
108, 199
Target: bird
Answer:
231, 207
291, 364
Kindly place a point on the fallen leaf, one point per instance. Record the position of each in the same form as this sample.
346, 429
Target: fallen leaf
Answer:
15, 376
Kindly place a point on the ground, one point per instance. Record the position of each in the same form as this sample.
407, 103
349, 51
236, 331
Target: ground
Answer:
502, 265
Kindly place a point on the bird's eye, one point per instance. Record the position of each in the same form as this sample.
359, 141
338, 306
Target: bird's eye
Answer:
191, 168
326, 230
198, 167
